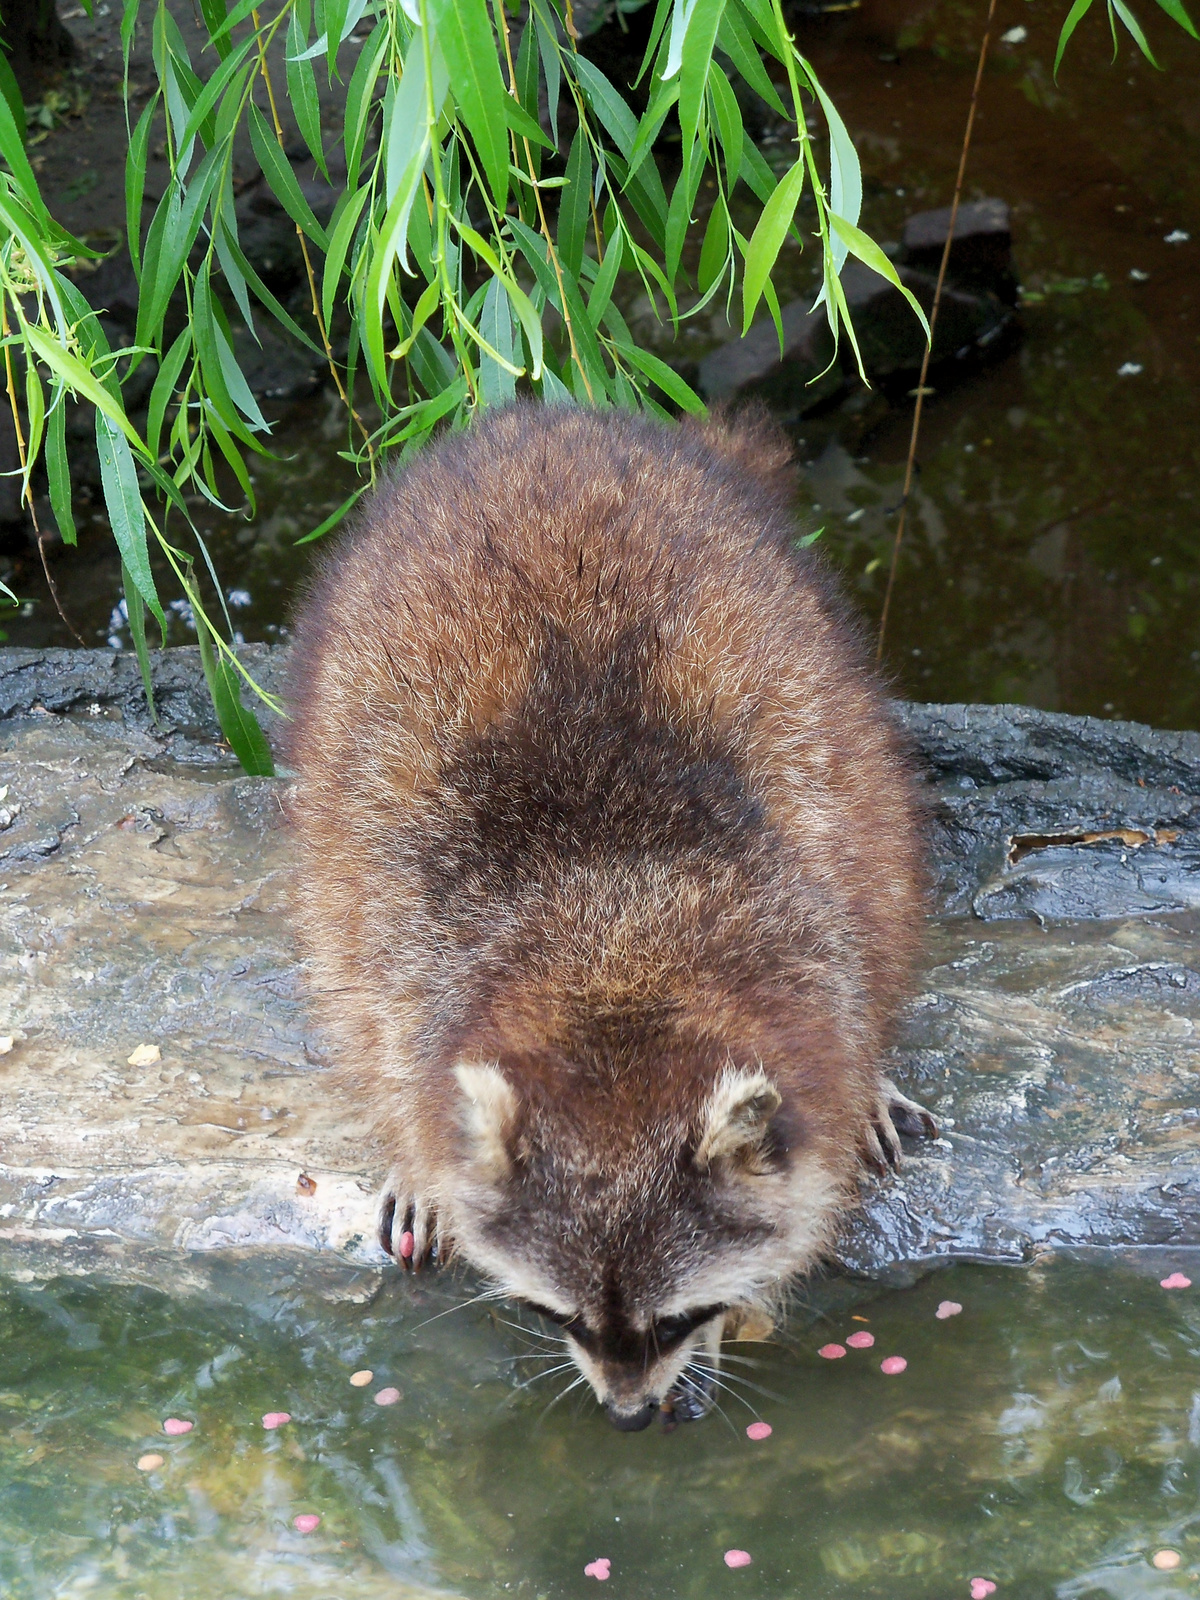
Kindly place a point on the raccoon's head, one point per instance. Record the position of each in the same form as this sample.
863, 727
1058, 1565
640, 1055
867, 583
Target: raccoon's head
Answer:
638, 1230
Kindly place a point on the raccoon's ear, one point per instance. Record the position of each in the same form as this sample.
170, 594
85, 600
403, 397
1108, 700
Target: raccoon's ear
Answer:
488, 1116
734, 1121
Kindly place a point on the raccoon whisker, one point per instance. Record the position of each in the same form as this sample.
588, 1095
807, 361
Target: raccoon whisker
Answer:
486, 1294
742, 1361
580, 1379
708, 1400
548, 1373
714, 1374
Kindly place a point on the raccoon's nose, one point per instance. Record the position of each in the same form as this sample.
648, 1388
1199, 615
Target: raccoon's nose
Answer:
632, 1421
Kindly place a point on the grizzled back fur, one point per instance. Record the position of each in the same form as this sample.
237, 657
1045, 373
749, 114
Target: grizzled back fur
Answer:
610, 878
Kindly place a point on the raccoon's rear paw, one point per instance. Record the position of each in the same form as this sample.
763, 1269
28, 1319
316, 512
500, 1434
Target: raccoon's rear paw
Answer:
408, 1231
894, 1114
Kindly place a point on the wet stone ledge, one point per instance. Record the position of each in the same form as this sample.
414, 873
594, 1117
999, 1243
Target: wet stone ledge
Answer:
143, 914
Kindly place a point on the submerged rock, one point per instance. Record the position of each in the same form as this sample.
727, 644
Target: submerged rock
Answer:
143, 885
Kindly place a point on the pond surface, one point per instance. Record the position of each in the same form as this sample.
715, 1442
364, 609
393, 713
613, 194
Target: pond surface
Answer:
1053, 554
1046, 1439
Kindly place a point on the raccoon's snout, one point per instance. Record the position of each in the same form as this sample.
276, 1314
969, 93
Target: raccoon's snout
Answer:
632, 1421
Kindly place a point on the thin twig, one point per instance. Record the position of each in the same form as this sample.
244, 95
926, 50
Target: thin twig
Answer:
910, 464
27, 477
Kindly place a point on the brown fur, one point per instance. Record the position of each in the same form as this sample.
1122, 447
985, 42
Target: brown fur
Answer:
610, 877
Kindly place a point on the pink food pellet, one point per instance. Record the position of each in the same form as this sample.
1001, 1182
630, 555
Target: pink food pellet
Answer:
981, 1588
598, 1569
1166, 1560
1175, 1281
738, 1558
861, 1341
407, 1244
387, 1397
276, 1419
306, 1522
948, 1308
176, 1425
832, 1352
891, 1365
759, 1430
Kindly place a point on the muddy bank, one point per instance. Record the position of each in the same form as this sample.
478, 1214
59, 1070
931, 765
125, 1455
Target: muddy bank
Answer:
144, 892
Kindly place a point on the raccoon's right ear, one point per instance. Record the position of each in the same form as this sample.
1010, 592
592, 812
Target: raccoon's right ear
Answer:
489, 1116
735, 1119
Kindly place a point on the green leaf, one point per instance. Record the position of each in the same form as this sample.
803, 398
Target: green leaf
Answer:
714, 252
729, 122
1135, 29
698, 44
464, 31
574, 206
339, 244
552, 67
58, 472
135, 177
11, 91
869, 253
608, 105
734, 38
277, 170
755, 171
242, 729
359, 100
667, 379
332, 520
77, 377
12, 148
213, 12
1074, 17
845, 175
606, 277
496, 383
767, 239
126, 514
523, 125
1176, 12
302, 88
135, 611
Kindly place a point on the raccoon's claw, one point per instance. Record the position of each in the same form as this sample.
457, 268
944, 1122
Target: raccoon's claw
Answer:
409, 1232
894, 1114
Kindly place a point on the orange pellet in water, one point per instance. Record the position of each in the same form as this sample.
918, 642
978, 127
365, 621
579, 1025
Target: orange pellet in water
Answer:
360, 1380
150, 1463
1166, 1560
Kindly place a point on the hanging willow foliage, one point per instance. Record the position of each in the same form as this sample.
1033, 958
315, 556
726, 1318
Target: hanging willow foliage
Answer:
496, 184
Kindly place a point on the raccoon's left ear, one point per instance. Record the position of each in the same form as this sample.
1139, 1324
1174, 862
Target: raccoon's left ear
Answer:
735, 1119
488, 1116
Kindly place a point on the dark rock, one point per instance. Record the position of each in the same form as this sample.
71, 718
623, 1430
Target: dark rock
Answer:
981, 255
274, 367
892, 341
801, 378
107, 683
145, 903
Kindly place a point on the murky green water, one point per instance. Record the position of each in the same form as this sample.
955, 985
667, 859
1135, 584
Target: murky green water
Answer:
1047, 1439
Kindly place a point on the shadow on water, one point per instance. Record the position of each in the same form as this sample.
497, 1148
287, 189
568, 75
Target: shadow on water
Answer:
1053, 557
1045, 1439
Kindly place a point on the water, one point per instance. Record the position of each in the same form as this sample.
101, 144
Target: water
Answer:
1047, 1439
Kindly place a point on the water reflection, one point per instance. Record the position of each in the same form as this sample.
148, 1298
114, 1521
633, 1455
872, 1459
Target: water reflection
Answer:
1045, 1440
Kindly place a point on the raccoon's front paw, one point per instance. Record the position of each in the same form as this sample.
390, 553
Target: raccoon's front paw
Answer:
893, 1115
408, 1231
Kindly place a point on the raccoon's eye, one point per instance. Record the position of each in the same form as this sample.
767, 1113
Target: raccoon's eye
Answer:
672, 1330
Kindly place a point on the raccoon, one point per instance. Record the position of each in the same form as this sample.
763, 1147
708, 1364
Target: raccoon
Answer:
610, 881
